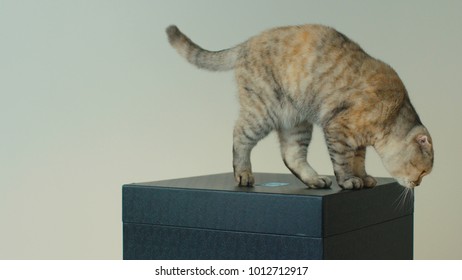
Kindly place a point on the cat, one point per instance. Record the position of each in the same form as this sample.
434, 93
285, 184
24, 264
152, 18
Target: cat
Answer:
292, 77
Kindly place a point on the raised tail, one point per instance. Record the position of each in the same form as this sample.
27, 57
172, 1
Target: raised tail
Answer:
210, 60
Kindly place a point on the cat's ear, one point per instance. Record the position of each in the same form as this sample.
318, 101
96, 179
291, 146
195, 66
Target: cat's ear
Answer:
424, 142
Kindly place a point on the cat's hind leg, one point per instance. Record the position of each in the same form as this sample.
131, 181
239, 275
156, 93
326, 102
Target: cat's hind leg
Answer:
248, 130
294, 143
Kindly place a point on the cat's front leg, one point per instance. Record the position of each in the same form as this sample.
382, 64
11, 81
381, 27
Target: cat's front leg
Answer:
342, 154
359, 168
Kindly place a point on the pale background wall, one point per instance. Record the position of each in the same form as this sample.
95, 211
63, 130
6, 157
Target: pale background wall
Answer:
92, 97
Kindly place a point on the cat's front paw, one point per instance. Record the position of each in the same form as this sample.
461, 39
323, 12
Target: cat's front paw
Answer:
369, 181
352, 183
245, 178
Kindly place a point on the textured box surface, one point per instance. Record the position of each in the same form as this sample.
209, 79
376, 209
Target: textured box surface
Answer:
209, 217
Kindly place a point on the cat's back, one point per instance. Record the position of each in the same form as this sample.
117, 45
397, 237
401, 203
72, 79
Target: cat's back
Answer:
302, 51
315, 68
293, 41
288, 35
303, 59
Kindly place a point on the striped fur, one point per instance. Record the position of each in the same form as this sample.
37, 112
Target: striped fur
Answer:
290, 78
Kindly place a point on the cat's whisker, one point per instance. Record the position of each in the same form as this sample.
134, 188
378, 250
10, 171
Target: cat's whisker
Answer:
397, 201
411, 197
404, 199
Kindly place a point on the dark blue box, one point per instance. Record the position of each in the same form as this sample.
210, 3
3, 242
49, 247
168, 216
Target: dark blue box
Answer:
210, 217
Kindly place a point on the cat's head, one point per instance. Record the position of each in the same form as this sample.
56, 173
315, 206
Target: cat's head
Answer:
410, 158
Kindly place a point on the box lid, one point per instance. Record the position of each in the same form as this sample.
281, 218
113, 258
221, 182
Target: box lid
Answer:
278, 204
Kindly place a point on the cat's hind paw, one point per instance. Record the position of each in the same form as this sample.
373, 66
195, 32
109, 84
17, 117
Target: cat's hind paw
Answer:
245, 179
319, 182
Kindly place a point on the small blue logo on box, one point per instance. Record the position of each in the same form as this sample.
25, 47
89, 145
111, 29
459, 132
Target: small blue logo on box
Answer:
273, 184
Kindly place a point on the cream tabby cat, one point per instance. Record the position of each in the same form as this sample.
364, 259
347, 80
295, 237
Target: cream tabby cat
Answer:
290, 78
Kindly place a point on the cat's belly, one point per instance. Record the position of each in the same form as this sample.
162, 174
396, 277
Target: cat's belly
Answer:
290, 116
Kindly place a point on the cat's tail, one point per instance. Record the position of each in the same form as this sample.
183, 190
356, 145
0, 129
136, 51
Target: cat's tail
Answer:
211, 60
